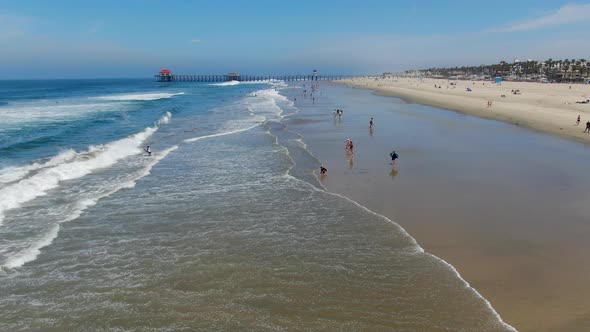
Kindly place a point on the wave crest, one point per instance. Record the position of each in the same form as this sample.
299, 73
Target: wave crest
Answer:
140, 96
96, 157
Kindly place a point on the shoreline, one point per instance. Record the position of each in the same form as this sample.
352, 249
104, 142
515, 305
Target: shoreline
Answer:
539, 110
489, 305
449, 202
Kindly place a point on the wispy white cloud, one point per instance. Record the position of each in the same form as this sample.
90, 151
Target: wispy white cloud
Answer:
194, 41
567, 14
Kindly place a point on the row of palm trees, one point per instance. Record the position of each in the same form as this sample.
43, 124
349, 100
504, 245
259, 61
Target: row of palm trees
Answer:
559, 70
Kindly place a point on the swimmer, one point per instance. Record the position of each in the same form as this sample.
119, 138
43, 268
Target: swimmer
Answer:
148, 150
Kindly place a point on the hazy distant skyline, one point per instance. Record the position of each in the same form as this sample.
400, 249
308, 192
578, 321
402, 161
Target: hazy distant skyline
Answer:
78, 39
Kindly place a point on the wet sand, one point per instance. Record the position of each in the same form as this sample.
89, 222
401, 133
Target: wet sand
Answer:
549, 108
506, 206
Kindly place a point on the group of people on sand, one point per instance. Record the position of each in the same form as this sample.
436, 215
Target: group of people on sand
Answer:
587, 130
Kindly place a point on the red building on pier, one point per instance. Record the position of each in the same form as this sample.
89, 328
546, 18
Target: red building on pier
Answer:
165, 75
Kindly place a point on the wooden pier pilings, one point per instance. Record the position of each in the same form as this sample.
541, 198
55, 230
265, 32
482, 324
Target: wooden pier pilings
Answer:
249, 77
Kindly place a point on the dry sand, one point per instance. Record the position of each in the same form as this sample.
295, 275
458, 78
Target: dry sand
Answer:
549, 108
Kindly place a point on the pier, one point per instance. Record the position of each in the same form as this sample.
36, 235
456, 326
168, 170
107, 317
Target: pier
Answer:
166, 75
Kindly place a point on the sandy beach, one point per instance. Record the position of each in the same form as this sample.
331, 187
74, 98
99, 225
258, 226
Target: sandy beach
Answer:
549, 108
482, 195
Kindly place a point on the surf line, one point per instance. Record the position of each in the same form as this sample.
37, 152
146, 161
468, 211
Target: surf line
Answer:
103, 156
198, 138
30, 253
419, 249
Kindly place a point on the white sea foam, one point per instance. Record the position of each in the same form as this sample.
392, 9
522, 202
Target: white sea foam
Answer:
229, 83
50, 111
272, 81
13, 173
224, 133
12, 196
140, 96
261, 109
30, 253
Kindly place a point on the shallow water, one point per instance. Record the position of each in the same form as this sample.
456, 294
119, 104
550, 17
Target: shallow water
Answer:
223, 227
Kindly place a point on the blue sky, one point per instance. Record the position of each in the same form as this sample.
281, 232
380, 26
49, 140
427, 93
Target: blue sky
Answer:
71, 39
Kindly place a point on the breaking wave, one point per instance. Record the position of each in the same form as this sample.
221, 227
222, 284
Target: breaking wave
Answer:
68, 167
140, 96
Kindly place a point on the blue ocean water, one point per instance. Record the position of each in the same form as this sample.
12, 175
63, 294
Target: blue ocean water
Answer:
223, 227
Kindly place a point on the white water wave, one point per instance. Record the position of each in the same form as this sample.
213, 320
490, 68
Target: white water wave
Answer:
34, 249
15, 173
96, 157
232, 83
51, 111
140, 96
198, 138
228, 83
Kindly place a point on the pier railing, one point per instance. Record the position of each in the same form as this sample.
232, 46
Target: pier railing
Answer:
249, 78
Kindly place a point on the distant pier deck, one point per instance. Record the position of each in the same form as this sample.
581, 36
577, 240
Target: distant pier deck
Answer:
248, 77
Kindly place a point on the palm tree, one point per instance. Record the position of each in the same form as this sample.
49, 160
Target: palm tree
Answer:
584, 69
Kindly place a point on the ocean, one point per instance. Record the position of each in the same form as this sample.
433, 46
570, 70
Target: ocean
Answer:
224, 227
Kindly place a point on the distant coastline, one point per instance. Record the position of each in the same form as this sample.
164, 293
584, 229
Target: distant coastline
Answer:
548, 71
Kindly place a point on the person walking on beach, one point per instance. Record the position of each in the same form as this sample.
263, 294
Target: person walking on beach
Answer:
349, 146
587, 130
393, 156
578, 120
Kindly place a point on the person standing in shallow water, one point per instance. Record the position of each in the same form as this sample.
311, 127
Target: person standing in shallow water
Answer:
393, 156
371, 123
349, 146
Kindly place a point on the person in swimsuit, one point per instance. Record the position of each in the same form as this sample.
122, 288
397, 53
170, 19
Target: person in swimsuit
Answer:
148, 150
323, 170
371, 123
